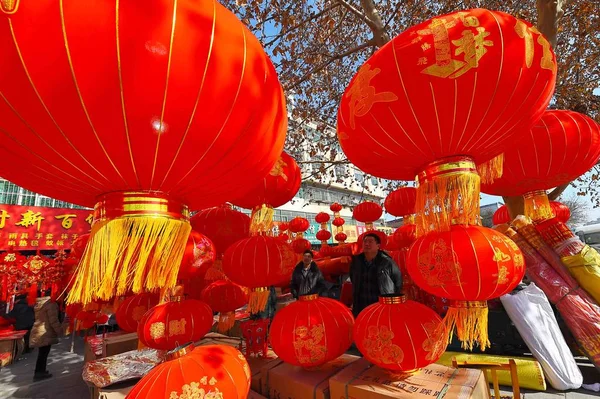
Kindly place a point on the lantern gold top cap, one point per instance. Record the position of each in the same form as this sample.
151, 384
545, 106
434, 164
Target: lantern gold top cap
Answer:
311, 297
392, 300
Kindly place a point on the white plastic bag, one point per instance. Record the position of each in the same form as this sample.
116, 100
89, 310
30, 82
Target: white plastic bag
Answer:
532, 314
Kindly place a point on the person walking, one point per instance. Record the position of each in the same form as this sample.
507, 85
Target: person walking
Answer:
44, 334
24, 317
373, 273
307, 279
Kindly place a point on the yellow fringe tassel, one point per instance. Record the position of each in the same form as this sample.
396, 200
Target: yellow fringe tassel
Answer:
262, 220
537, 206
258, 300
445, 200
226, 322
130, 253
471, 325
491, 170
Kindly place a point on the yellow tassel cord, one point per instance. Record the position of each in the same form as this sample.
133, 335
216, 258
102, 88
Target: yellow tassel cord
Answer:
226, 322
470, 319
491, 170
262, 220
408, 219
447, 193
258, 299
139, 253
537, 206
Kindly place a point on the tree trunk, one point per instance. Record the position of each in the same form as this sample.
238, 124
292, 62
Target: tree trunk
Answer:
550, 13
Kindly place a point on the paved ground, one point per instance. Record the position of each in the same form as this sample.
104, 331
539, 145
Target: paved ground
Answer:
16, 381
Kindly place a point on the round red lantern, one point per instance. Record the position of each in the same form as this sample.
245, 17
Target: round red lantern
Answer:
323, 235
322, 217
259, 262
222, 225
400, 335
276, 188
198, 252
300, 245
469, 265
299, 224
335, 207
561, 211
401, 202
211, 371
225, 297
133, 114
559, 148
405, 235
132, 310
367, 212
341, 237
338, 222
441, 97
283, 226
311, 331
174, 323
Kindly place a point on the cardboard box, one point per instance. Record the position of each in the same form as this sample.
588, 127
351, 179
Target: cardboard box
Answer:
119, 344
115, 391
281, 380
363, 380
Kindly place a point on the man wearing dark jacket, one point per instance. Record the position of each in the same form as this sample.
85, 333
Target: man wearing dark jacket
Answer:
373, 273
24, 316
307, 279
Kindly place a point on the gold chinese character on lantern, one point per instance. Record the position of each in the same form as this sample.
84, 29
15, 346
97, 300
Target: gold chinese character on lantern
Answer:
526, 32
363, 96
30, 218
277, 169
177, 327
3, 216
66, 220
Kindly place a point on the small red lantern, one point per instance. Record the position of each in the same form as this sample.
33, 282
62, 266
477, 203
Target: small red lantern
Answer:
341, 237
367, 212
132, 309
560, 210
311, 331
335, 207
400, 335
322, 217
211, 371
222, 225
299, 224
225, 297
405, 235
323, 235
198, 252
259, 262
469, 265
401, 202
338, 222
174, 323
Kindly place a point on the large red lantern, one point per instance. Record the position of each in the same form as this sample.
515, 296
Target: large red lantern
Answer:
259, 262
152, 121
132, 310
559, 148
277, 188
222, 225
367, 212
311, 331
210, 371
440, 98
199, 251
400, 335
401, 202
175, 323
469, 265
225, 297
561, 211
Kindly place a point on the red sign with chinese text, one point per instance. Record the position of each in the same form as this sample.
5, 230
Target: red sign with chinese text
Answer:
35, 227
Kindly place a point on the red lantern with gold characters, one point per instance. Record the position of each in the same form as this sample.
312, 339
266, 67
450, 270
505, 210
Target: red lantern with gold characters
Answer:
469, 265
174, 323
441, 98
561, 211
211, 371
152, 121
132, 309
259, 262
225, 297
400, 335
559, 148
311, 331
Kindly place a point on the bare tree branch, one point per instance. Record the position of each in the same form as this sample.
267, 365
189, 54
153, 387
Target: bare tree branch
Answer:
557, 192
356, 12
379, 34
550, 13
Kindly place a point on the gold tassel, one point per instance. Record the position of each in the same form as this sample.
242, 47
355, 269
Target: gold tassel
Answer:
470, 319
258, 299
262, 220
447, 193
491, 170
226, 322
537, 206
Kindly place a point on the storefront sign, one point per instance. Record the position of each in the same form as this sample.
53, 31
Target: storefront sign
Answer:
35, 227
